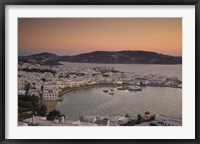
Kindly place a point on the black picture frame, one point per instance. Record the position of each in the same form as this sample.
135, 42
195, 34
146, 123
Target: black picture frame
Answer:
4, 3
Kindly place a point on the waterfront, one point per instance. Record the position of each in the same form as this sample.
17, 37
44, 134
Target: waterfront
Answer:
100, 72
81, 88
140, 69
93, 101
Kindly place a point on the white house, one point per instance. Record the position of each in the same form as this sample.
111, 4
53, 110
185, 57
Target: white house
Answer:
140, 80
167, 120
88, 118
51, 86
34, 92
172, 122
38, 86
123, 120
116, 119
21, 92
50, 94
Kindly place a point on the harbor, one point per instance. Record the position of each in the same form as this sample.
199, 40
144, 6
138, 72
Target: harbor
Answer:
94, 101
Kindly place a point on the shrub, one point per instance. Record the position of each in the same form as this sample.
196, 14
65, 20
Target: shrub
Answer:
152, 124
53, 114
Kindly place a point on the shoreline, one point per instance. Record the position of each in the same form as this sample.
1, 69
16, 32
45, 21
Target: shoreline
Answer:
118, 63
87, 86
108, 84
51, 104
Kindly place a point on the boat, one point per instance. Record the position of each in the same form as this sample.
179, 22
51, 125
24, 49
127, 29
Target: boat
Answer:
122, 88
111, 89
111, 93
60, 99
105, 91
134, 88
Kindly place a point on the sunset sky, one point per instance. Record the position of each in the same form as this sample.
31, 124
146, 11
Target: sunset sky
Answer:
71, 36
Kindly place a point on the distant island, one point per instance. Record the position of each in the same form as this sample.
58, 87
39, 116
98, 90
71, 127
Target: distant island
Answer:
111, 57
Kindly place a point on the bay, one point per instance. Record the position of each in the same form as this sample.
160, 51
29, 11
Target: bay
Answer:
93, 101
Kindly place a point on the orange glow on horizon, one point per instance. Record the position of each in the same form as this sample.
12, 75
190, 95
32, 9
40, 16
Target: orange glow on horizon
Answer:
70, 36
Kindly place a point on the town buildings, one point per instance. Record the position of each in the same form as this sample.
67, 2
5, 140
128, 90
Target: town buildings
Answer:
49, 81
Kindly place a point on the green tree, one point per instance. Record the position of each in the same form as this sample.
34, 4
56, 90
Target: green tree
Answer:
40, 96
35, 100
42, 88
127, 116
152, 124
27, 87
139, 119
43, 79
53, 114
42, 111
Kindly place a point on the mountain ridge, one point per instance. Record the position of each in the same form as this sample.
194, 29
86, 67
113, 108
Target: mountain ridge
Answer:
123, 57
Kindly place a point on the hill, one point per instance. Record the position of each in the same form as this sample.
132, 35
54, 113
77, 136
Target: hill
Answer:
124, 57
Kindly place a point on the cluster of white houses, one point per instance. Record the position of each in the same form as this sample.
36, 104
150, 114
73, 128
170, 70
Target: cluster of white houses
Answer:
111, 120
162, 120
50, 84
167, 121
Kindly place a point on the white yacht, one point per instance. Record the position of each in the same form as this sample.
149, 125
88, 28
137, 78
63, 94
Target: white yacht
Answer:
111, 93
134, 88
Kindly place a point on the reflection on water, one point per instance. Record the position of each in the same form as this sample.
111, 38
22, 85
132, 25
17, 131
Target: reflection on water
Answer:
93, 101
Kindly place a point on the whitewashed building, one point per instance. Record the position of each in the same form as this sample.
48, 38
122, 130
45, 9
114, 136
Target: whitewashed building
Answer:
117, 119
172, 122
34, 92
50, 94
21, 92
88, 118
168, 121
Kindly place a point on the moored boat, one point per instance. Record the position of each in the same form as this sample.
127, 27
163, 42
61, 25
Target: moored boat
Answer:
122, 88
134, 88
111, 93
105, 91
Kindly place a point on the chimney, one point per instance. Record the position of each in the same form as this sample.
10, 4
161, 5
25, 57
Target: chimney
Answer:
78, 123
33, 119
62, 119
108, 123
